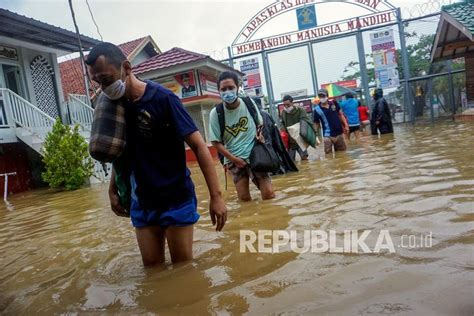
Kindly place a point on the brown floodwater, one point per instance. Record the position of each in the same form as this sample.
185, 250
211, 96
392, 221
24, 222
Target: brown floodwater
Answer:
67, 253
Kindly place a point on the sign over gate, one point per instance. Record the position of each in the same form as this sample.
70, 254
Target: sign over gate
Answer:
379, 12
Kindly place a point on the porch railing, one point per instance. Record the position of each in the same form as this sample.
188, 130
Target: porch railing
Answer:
83, 115
84, 98
17, 111
80, 112
20, 112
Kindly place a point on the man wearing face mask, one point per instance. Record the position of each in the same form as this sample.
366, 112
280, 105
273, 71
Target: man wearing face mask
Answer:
237, 139
329, 115
163, 201
293, 115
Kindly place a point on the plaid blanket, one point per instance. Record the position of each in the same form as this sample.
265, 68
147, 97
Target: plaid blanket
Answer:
108, 135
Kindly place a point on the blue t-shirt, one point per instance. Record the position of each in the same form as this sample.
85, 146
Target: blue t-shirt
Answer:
156, 127
350, 107
329, 119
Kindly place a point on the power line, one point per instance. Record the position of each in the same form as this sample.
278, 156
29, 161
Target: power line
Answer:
83, 64
93, 20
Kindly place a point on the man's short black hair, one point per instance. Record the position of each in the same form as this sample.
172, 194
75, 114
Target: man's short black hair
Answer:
349, 95
288, 98
112, 53
227, 75
184, 76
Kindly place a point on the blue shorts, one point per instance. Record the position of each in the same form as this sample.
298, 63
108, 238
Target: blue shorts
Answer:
182, 215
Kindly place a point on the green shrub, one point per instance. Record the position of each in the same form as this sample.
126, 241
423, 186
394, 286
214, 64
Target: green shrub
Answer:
66, 157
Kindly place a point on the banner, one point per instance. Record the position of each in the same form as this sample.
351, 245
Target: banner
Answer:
382, 40
183, 84
252, 80
208, 84
350, 84
384, 54
387, 77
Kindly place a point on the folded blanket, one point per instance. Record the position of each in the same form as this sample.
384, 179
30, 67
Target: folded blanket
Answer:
108, 135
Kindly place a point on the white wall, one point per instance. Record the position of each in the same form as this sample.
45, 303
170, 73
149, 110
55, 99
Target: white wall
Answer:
141, 57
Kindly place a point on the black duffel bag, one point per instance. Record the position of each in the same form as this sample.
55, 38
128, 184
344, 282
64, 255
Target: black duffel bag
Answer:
263, 158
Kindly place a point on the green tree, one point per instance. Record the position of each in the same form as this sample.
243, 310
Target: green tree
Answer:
66, 157
419, 55
354, 66
419, 60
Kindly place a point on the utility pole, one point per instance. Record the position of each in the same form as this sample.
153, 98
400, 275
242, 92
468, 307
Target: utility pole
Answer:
364, 77
406, 68
81, 53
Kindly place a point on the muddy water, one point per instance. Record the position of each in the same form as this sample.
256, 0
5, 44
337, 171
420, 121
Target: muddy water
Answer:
66, 252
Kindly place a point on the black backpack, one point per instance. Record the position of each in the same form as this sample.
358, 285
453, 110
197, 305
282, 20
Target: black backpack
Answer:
262, 158
221, 116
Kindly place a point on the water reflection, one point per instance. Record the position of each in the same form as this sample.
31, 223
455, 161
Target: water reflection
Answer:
66, 252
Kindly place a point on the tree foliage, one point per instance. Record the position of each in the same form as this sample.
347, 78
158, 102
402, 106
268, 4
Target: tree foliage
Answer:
419, 60
66, 157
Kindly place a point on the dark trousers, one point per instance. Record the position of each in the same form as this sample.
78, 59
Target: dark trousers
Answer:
295, 148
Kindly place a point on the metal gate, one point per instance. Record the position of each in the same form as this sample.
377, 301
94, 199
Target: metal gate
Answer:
425, 90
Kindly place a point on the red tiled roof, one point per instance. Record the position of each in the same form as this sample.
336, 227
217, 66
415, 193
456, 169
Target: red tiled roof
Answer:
173, 57
128, 47
72, 78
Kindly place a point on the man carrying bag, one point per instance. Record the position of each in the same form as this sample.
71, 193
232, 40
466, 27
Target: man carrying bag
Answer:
236, 142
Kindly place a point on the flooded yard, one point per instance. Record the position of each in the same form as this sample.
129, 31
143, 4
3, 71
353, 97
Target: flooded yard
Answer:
66, 252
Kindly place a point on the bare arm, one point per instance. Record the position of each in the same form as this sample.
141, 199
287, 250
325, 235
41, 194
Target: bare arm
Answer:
217, 208
239, 162
345, 126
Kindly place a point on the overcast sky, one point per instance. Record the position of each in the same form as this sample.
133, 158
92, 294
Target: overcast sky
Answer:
202, 26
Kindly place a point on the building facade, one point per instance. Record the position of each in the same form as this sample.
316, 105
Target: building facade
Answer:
31, 95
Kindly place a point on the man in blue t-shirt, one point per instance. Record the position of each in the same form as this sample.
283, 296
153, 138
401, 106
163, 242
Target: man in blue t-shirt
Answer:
164, 204
350, 107
329, 115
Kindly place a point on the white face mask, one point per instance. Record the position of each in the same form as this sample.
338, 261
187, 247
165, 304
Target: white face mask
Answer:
289, 109
116, 90
323, 100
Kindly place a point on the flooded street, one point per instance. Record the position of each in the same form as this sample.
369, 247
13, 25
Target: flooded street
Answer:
66, 252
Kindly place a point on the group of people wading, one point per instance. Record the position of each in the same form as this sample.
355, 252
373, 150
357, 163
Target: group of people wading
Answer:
141, 127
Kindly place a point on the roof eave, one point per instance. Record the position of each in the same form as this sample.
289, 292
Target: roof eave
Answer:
47, 28
167, 71
146, 40
216, 64
208, 61
447, 18
152, 41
